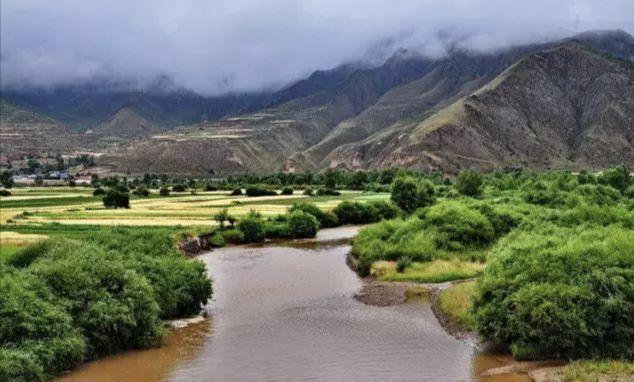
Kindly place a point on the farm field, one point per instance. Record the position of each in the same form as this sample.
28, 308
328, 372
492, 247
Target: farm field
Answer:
33, 213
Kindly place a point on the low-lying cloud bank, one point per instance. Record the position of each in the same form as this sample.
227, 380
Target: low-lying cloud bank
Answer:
221, 46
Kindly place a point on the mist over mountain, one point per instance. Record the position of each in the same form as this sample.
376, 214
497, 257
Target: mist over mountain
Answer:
228, 46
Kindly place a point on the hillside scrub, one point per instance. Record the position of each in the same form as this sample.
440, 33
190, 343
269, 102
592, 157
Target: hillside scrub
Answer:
63, 301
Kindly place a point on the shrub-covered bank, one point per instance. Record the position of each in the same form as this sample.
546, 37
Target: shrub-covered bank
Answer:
64, 301
302, 220
558, 249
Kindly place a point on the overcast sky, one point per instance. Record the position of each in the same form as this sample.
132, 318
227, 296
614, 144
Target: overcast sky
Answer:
216, 46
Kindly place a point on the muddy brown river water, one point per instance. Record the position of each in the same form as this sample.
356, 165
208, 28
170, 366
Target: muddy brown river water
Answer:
286, 313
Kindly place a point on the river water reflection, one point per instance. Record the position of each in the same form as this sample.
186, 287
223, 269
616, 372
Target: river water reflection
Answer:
287, 313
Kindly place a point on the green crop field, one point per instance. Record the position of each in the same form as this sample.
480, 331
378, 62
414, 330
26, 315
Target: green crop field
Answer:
50, 211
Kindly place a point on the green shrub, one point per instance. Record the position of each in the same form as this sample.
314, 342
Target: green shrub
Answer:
410, 195
37, 334
326, 219
113, 307
309, 192
402, 263
210, 187
141, 191
252, 228
236, 192
302, 225
233, 236
386, 209
276, 230
327, 192
460, 222
617, 177
99, 191
116, 199
259, 191
179, 188
560, 293
4, 192
217, 240
287, 191
598, 194
356, 213
164, 191
469, 183
629, 193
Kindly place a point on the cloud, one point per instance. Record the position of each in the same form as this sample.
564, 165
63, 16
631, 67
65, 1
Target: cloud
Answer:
240, 45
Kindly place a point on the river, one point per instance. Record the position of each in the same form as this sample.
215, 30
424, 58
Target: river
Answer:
286, 312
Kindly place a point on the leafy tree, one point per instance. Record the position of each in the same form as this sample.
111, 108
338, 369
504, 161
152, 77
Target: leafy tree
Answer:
410, 194
358, 180
6, 179
469, 183
116, 199
164, 191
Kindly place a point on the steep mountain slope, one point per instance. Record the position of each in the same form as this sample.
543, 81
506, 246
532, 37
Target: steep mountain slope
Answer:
566, 107
449, 79
125, 123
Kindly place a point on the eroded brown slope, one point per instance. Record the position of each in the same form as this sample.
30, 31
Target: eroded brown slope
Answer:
565, 107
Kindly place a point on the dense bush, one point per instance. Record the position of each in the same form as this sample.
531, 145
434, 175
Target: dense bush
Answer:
36, 332
259, 191
210, 187
179, 188
302, 225
309, 192
236, 192
460, 222
409, 194
287, 191
386, 209
252, 228
98, 191
348, 212
617, 177
116, 199
326, 219
70, 300
4, 192
112, 306
560, 293
233, 236
327, 192
469, 183
141, 191
164, 191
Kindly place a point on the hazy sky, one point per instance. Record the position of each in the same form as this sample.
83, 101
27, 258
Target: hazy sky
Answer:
217, 46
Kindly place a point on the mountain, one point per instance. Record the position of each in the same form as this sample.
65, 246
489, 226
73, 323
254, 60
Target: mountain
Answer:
567, 107
557, 104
